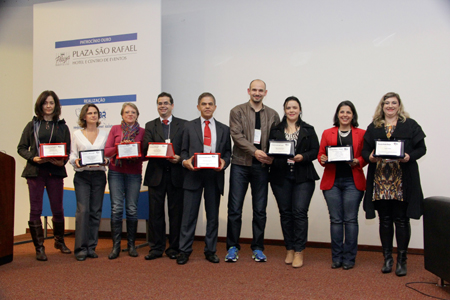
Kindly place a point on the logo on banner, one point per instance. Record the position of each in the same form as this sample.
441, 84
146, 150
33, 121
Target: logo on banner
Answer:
62, 59
104, 49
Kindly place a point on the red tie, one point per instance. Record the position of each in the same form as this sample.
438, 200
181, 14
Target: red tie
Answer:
166, 122
207, 134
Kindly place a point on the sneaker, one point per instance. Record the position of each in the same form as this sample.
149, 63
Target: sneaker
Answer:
232, 254
258, 255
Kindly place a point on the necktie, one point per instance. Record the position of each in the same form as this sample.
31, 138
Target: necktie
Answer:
207, 134
166, 122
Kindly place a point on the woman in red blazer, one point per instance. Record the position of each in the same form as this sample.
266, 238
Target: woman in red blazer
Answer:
343, 184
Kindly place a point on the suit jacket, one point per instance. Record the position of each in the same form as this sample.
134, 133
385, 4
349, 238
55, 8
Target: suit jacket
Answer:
329, 138
154, 133
193, 143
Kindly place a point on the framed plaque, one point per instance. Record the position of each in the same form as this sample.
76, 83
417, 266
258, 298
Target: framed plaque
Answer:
392, 149
92, 157
160, 150
207, 160
281, 148
128, 150
52, 150
339, 154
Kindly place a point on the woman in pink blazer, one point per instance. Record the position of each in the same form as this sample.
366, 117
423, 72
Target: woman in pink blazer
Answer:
343, 184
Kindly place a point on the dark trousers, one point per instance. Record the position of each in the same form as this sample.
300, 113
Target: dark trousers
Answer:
392, 212
55, 191
293, 201
89, 190
192, 200
240, 177
157, 222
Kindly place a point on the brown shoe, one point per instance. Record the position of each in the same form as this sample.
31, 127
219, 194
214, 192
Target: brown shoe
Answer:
289, 257
298, 260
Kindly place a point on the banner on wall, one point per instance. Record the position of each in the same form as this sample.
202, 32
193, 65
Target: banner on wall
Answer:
101, 52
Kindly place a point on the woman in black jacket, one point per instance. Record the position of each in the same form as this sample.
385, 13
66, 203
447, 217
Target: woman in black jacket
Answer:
48, 172
393, 185
293, 179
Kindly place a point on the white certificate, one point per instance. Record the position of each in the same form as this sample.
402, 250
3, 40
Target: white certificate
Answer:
53, 150
207, 161
128, 150
91, 157
157, 149
281, 148
336, 154
392, 149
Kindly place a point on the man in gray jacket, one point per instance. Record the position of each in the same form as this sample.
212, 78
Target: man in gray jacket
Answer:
250, 125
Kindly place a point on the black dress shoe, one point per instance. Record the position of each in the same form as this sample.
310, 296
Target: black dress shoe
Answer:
182, 258
171, 253
212, 258
347, 267
336, 265
80, 257
152, 255
92, 255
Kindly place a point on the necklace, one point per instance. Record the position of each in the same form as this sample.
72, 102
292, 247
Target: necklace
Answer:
343, 134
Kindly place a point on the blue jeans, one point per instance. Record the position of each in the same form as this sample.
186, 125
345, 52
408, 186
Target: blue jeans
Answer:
240, 177
293, 203
124, 188
343, 201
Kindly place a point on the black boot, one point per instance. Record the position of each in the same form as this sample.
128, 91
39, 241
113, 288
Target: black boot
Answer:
116, 234
386, 237
131, 236
37, 234
401, 263
58, 232
388, 260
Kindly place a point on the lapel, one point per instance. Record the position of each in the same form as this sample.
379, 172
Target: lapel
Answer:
173, 128
219, 133
198, 130
159, 129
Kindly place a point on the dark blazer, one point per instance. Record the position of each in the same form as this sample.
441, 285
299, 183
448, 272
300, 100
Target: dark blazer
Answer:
27, 149
154, 133
414, 138
329, 138
193, 143
307, 145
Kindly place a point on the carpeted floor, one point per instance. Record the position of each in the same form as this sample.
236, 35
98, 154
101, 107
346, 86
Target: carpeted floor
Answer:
62, 277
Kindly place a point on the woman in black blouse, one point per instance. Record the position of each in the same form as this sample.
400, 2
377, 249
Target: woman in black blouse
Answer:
293, 179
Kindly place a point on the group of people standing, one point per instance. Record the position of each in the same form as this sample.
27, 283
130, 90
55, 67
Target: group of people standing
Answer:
392, 186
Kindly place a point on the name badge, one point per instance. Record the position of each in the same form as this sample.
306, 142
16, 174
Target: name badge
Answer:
257, 139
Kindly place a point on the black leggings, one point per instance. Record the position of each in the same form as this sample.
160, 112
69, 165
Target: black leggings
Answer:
390, 212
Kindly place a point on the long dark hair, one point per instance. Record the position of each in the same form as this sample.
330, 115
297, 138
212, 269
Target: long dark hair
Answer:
40, 102
299, 120
353, 109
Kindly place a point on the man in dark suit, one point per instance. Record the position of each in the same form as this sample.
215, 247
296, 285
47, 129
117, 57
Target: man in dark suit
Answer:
164, 176
203, 135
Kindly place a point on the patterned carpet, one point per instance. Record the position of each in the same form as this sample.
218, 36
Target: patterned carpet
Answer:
62, 277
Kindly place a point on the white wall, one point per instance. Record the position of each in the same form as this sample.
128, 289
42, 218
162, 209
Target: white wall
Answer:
322, 51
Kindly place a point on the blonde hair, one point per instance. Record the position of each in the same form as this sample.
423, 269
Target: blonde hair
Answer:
378, 117
131, 105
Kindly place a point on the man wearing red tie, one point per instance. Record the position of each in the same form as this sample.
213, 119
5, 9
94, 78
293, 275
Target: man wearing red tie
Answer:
164, 177
203, 135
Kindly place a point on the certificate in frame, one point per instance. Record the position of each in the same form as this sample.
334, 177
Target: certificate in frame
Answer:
339, 154
128, 150
52, 150
281, 148
160, 150
206, 161
92, 157
389, 149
